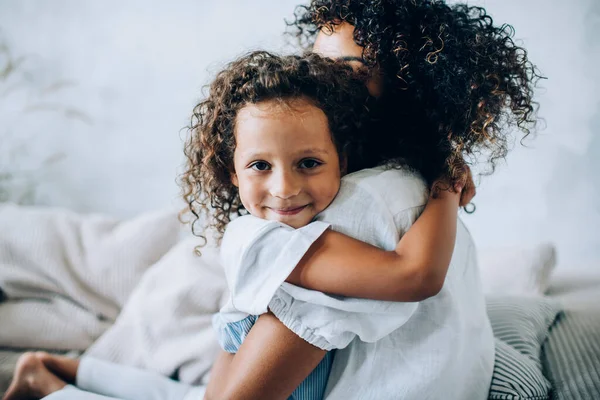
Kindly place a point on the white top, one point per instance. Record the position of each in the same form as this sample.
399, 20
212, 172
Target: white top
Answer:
439, 348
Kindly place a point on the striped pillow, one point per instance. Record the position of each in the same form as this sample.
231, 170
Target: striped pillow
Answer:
520, 326
522, 322
516, 377
572, 355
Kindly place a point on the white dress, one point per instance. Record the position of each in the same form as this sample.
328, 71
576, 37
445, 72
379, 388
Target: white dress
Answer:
440, 348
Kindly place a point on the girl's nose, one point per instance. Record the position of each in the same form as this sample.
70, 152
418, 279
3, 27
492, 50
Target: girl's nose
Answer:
284, 185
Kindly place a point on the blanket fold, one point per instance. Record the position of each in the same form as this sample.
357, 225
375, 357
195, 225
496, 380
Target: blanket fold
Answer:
166, 324
132, 292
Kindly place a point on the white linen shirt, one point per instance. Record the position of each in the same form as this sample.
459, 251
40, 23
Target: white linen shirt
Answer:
440, 348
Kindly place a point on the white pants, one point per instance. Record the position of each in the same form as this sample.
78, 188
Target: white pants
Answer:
102, 380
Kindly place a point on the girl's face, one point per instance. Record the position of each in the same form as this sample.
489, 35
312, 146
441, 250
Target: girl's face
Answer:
339, 44
286, 165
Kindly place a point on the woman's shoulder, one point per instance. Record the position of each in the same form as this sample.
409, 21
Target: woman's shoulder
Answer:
388, 177
398, 187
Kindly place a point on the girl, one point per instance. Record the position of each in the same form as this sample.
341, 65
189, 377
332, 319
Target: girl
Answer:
285, 171
305, 116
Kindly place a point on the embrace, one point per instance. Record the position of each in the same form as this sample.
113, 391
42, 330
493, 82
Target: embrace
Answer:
334, 181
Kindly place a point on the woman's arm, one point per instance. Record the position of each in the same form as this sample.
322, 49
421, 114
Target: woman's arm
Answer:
414, 271
270, 364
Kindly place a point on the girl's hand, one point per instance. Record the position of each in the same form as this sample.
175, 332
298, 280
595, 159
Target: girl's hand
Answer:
463, 191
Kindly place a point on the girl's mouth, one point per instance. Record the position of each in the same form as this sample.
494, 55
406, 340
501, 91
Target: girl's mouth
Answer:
289, 211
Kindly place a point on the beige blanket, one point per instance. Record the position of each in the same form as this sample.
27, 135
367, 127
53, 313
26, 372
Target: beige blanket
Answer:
132, 290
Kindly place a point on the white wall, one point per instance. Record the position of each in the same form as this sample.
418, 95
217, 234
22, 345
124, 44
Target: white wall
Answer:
138, 67
551, 189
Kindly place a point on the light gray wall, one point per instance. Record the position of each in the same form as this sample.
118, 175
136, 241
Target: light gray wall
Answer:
138, 67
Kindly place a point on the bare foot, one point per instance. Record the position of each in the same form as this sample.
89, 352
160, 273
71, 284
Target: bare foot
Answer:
63, 367
32, 380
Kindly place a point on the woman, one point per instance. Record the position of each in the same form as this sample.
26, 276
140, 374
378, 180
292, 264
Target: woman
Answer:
449, 83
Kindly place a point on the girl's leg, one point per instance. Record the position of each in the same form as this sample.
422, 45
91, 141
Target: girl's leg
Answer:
32, 380
70, 392
131, 383
37, 375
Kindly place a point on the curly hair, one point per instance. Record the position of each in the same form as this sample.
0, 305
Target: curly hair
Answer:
453, 81
260, 76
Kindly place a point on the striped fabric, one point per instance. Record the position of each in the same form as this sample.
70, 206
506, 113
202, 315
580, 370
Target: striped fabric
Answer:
235, 333
520, 326
8, 360
313, 387
516, 376
571, 356
522, 322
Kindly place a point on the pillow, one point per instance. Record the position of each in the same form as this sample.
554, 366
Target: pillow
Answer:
516, 377
93, 259
522, 271
572, 355
522, 322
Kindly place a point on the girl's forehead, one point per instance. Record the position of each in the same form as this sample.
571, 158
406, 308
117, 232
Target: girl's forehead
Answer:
297, 116
276, 108
284, 117
277, 127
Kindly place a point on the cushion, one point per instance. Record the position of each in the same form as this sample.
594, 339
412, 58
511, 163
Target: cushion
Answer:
522, 322
572, 355
65, 276
521, 325
93, 258
516, 376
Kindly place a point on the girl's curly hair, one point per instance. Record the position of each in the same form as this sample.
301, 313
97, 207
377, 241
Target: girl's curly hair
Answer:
453, 81
261, 76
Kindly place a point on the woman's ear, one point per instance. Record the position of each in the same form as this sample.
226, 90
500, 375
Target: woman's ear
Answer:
344, 164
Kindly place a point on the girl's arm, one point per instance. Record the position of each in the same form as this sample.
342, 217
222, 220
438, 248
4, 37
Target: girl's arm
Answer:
273, 360
270, 364
414, 271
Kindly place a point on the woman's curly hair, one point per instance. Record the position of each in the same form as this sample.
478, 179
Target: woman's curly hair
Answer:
261, 76
453, 81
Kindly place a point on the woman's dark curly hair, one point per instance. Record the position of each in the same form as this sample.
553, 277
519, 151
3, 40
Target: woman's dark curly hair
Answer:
260, 76
453, 82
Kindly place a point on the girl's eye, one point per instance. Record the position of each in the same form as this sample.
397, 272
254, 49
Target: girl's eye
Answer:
260, 166
309, 163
